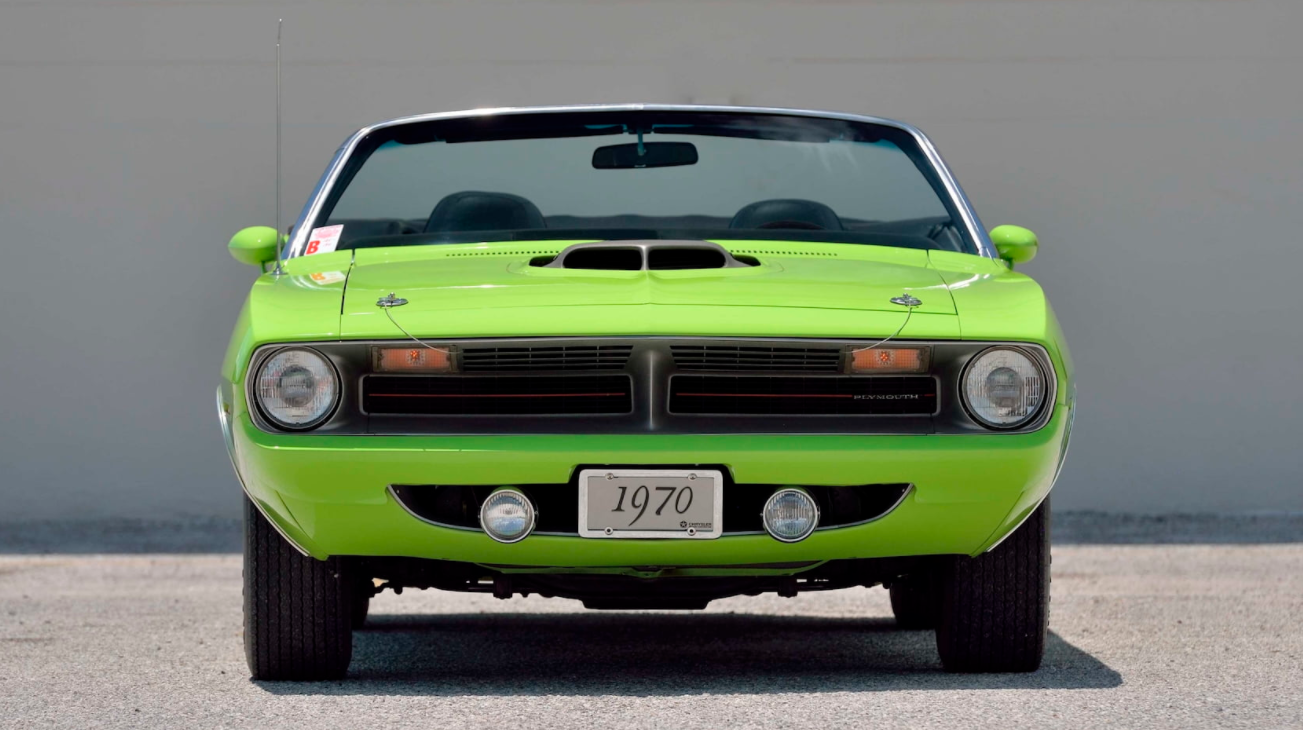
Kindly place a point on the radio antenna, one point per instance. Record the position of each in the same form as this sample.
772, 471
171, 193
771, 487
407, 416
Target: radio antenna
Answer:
277, 271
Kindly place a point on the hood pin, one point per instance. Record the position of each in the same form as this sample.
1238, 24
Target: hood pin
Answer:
390, 301
904, 300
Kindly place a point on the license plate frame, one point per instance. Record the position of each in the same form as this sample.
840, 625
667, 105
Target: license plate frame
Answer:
692, 532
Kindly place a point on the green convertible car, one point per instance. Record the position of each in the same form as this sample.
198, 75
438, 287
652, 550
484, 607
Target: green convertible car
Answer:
644, 357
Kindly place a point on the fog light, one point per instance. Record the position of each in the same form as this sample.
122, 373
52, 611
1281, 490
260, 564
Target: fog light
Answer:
790, 515
507, 515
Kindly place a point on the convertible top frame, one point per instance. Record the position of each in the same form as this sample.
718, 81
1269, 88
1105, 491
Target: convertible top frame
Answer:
326, 184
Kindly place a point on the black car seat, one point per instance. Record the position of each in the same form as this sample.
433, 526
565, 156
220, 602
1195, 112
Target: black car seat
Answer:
787, 213
472, 210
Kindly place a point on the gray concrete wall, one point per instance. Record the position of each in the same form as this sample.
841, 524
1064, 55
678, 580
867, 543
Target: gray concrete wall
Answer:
1156, 147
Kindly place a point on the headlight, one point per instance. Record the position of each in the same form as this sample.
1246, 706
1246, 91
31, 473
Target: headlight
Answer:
297, 388
1003, 388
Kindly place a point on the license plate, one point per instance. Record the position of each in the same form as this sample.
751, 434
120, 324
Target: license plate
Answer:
664, 503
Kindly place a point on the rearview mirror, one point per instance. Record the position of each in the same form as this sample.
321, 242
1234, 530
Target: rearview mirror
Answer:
255, 245
644, 154
1015, 244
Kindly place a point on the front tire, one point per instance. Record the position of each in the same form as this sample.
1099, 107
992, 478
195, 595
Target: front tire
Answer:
916, 602
361, 605
995, 608
298, 611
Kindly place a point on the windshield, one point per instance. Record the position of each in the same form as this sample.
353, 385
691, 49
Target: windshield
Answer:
622, 175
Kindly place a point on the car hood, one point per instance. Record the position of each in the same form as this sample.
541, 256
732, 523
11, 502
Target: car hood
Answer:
484, 291
472, 291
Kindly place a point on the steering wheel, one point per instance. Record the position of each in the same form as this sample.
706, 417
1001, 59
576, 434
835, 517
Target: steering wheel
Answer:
792, 224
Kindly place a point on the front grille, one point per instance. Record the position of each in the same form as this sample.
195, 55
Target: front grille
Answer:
557, 386
795, 395
753, 357
566, 357
444, 395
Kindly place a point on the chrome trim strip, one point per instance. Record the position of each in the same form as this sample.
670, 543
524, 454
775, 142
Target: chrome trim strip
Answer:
397, 500
328, 179
229, 437
1067, 434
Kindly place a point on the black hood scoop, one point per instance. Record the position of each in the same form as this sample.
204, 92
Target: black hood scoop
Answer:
646, 256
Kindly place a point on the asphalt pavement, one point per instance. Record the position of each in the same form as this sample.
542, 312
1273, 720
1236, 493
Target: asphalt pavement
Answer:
1142, 636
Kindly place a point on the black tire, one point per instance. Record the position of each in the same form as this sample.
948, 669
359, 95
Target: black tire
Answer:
361, 604
297, 610
995, 608
916, 602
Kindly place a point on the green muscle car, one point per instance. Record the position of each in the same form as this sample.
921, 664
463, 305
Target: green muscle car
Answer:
644, 357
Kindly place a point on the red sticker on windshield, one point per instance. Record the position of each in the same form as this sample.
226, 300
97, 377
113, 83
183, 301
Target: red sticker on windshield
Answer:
323, 240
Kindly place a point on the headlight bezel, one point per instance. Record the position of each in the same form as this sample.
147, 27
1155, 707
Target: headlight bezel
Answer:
265, 413
1048, 387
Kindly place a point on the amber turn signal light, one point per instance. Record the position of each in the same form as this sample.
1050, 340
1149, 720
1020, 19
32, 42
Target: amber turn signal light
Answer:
414, 360
873, 360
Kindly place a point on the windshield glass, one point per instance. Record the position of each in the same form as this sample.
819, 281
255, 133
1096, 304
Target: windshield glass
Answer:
640, 175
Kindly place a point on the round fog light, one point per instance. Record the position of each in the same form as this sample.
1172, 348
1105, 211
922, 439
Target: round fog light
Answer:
790, 515
507, 515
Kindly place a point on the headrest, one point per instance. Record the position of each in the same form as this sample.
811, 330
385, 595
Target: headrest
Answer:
470, 210
809, 212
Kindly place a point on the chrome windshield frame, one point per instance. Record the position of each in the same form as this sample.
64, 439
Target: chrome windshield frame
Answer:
298, 239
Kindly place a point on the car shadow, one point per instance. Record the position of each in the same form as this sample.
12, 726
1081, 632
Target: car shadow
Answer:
665, 654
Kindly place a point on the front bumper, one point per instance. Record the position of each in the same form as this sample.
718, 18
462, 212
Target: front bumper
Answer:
329, 494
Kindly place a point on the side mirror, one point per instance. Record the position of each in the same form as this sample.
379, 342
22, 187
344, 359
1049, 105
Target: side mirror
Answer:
1015, 244
255, 245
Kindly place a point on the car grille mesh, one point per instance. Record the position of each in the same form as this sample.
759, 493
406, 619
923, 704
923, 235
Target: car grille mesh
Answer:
795, 396
431, 395
693, 384
543, 358
752, 357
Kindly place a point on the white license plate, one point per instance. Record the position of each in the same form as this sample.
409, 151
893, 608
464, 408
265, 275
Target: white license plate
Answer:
664, 503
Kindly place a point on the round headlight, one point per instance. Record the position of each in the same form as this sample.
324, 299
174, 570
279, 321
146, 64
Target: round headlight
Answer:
507, 515
790, 515
297, 388
1003, 388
